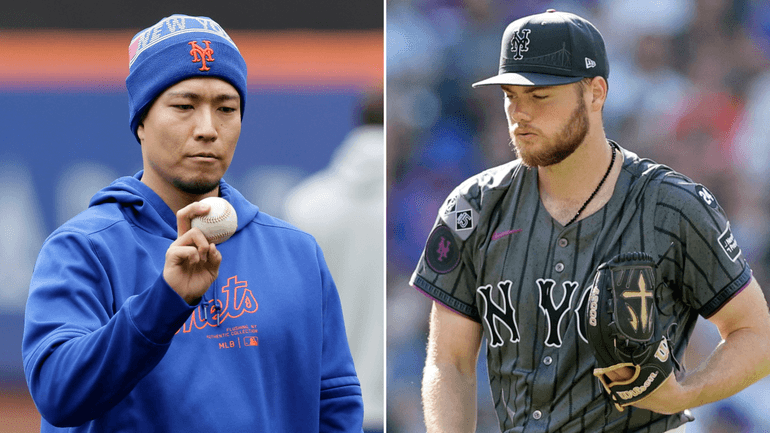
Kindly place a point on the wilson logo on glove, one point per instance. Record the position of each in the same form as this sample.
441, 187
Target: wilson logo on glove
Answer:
662, 352
637, 391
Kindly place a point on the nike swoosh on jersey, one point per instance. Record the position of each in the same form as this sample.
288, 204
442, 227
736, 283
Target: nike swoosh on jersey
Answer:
498, 235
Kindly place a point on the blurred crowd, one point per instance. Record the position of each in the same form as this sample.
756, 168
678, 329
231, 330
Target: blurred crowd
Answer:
689, 87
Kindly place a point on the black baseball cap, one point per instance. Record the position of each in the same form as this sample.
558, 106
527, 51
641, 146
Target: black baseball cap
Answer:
550, 49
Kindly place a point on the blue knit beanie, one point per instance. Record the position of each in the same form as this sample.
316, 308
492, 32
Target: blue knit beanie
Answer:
176, 48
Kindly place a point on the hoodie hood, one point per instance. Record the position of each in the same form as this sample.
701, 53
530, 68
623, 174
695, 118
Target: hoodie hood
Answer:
144, 208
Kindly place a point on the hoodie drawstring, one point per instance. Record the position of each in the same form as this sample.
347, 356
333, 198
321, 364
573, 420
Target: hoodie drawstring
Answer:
215, 307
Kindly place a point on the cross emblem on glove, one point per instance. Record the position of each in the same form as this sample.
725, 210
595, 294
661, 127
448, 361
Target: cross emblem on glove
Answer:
643, 295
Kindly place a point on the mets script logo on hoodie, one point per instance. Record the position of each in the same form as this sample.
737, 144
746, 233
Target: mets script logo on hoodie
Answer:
235, 299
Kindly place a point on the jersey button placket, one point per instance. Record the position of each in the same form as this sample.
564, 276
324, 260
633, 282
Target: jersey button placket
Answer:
561, 253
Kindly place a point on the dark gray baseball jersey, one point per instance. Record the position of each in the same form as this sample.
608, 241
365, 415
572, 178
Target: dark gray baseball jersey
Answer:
496, 256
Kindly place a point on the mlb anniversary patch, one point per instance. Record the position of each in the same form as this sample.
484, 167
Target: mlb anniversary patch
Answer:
459, 216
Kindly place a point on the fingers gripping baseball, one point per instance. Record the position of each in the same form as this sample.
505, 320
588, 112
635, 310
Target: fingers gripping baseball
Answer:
192, 262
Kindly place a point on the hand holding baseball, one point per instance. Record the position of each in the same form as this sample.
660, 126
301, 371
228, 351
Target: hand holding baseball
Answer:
192, 262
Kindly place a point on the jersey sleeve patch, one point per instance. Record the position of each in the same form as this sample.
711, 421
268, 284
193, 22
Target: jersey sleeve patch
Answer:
459, 216
442, 254
729, 244
706, 196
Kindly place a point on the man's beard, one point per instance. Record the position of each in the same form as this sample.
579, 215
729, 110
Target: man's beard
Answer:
195, 187
563, 145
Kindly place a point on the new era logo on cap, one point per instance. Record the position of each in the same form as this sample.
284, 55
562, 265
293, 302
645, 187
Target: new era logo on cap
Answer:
590, 63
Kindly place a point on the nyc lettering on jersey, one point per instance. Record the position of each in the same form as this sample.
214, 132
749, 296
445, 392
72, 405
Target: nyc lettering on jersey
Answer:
169, 27
499, 316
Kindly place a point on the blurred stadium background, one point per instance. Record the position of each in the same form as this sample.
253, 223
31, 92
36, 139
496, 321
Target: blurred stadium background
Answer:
689, 87
312, 67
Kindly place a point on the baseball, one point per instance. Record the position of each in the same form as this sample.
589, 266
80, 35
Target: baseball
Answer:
221, 221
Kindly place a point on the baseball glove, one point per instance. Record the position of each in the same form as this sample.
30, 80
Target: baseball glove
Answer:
625, 328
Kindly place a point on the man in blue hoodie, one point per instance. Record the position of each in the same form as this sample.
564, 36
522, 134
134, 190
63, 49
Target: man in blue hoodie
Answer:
135, 322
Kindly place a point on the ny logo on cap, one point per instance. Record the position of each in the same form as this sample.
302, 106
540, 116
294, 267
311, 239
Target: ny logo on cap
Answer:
201, 55
520, 43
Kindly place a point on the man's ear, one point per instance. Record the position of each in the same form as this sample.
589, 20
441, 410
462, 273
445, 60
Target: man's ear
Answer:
140, 132
140, 125
598, 92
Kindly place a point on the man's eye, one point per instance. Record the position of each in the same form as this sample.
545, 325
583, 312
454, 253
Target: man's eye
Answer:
539, 96
228, 109
183, 106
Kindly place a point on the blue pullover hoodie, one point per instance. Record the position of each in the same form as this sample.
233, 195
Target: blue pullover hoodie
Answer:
109, 346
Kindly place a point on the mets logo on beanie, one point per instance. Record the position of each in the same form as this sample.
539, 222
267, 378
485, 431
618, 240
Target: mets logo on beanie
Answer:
201, 55
177, 48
